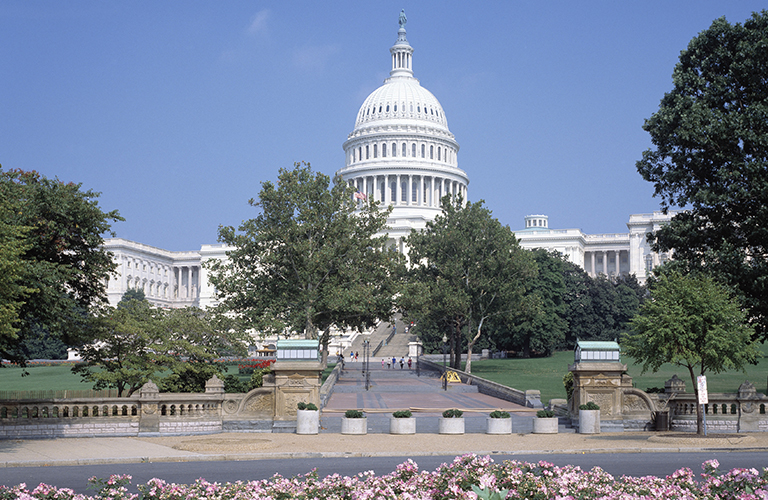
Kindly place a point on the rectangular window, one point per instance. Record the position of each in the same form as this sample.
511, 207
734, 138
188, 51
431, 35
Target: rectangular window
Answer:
383, 150
366, 153
404, 149
375, 151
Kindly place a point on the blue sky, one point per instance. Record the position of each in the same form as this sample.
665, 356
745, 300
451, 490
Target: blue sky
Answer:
176, 111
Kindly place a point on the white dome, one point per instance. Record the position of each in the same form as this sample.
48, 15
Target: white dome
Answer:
401, 99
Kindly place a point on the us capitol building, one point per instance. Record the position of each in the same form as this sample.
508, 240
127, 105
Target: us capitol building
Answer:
400, 153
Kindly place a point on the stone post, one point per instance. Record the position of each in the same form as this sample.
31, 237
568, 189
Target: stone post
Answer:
149, 417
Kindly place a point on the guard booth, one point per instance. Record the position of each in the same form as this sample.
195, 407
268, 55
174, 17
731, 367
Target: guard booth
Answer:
297, 379
599, 377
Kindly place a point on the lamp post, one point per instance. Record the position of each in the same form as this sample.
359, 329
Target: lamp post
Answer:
445, 371
367, 363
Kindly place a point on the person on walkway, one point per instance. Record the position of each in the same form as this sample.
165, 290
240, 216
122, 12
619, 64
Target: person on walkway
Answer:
394, 362
402, 363
409, 363
387, 363
382, 363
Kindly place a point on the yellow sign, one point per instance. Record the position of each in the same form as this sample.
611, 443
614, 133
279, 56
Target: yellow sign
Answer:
452, 377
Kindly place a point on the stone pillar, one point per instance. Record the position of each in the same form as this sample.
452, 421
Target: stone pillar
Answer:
618, 263
398, 191
605, 262
601, 383
421, 191
149, 416
592, 259
295, 382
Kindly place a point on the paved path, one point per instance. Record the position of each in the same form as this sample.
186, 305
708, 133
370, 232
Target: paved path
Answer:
391, 389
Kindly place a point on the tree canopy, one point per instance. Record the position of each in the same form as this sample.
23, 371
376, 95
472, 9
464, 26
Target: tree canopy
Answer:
309, 261
693, 322
710, 156
466, 269
54, 268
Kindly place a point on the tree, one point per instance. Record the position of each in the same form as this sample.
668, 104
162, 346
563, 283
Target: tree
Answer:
693, 322
710, 156
51, 248
309, 261
127, 347
543, 330
466, 269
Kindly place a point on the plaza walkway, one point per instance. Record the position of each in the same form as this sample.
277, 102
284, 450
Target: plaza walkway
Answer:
392, 389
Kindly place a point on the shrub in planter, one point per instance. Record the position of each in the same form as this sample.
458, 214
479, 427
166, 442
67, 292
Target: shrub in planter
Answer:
589, 406
589, 418
402, 422
545, 422
307, 418
452, 422
354, 422
453, 413
499, 422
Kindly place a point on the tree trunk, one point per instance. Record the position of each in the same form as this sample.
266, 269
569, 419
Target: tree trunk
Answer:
699, 410
471, 344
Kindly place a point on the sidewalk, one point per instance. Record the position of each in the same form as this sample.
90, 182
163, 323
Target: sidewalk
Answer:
239, 446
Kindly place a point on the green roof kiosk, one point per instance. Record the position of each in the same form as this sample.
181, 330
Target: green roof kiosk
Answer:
297, 379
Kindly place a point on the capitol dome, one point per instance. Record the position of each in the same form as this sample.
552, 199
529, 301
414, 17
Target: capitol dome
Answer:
400, 152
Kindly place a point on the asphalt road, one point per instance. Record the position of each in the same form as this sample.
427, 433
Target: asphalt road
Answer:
617, 464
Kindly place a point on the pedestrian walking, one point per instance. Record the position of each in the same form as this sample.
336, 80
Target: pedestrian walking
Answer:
402, 363
394, 362
382, 363
409, 363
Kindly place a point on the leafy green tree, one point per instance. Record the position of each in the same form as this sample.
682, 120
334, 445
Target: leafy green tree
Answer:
52, 258
710, 156
309, 261
691, 322
466, 269
127, 347
543, 330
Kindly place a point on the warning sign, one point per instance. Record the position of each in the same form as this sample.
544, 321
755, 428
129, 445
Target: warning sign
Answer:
452, 377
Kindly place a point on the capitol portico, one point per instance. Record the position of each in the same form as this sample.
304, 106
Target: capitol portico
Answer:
400, 153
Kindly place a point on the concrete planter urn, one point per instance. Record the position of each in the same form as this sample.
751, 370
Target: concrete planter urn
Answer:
402, 422
451, 423
499, 423
354, 422
589, 419
307, 421
402, 425
545, 425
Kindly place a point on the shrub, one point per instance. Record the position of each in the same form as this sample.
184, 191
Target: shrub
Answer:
654, 390
545, 414
452, 413
306, 406
402, 414
568, 384
499, 414
354, 414
589, 406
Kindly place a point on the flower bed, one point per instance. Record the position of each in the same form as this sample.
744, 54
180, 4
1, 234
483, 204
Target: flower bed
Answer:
450, 481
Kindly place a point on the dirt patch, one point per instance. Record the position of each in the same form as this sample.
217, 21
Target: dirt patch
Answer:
697, 440
241, 443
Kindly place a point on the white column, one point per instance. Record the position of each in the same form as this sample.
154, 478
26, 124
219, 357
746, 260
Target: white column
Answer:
398, 191
592, 269
409, 194
605, 262
387, 191
421, 191
618, 263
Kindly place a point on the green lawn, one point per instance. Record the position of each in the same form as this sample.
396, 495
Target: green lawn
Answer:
546, 374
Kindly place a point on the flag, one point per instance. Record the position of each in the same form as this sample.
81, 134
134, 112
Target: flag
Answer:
359, 195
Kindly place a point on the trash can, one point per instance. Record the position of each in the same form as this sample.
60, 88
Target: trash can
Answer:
662, 420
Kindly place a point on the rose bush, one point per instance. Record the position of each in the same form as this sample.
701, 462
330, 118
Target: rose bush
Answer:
469, 477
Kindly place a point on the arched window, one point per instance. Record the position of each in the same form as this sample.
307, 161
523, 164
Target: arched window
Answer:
395, 108
366, 152
384, 150
360, 153
404, 150
413, 150
423, 149
387, 108
375, 151
438, 153
414, 192
393, 191
403, 190
431, 152
394, 149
